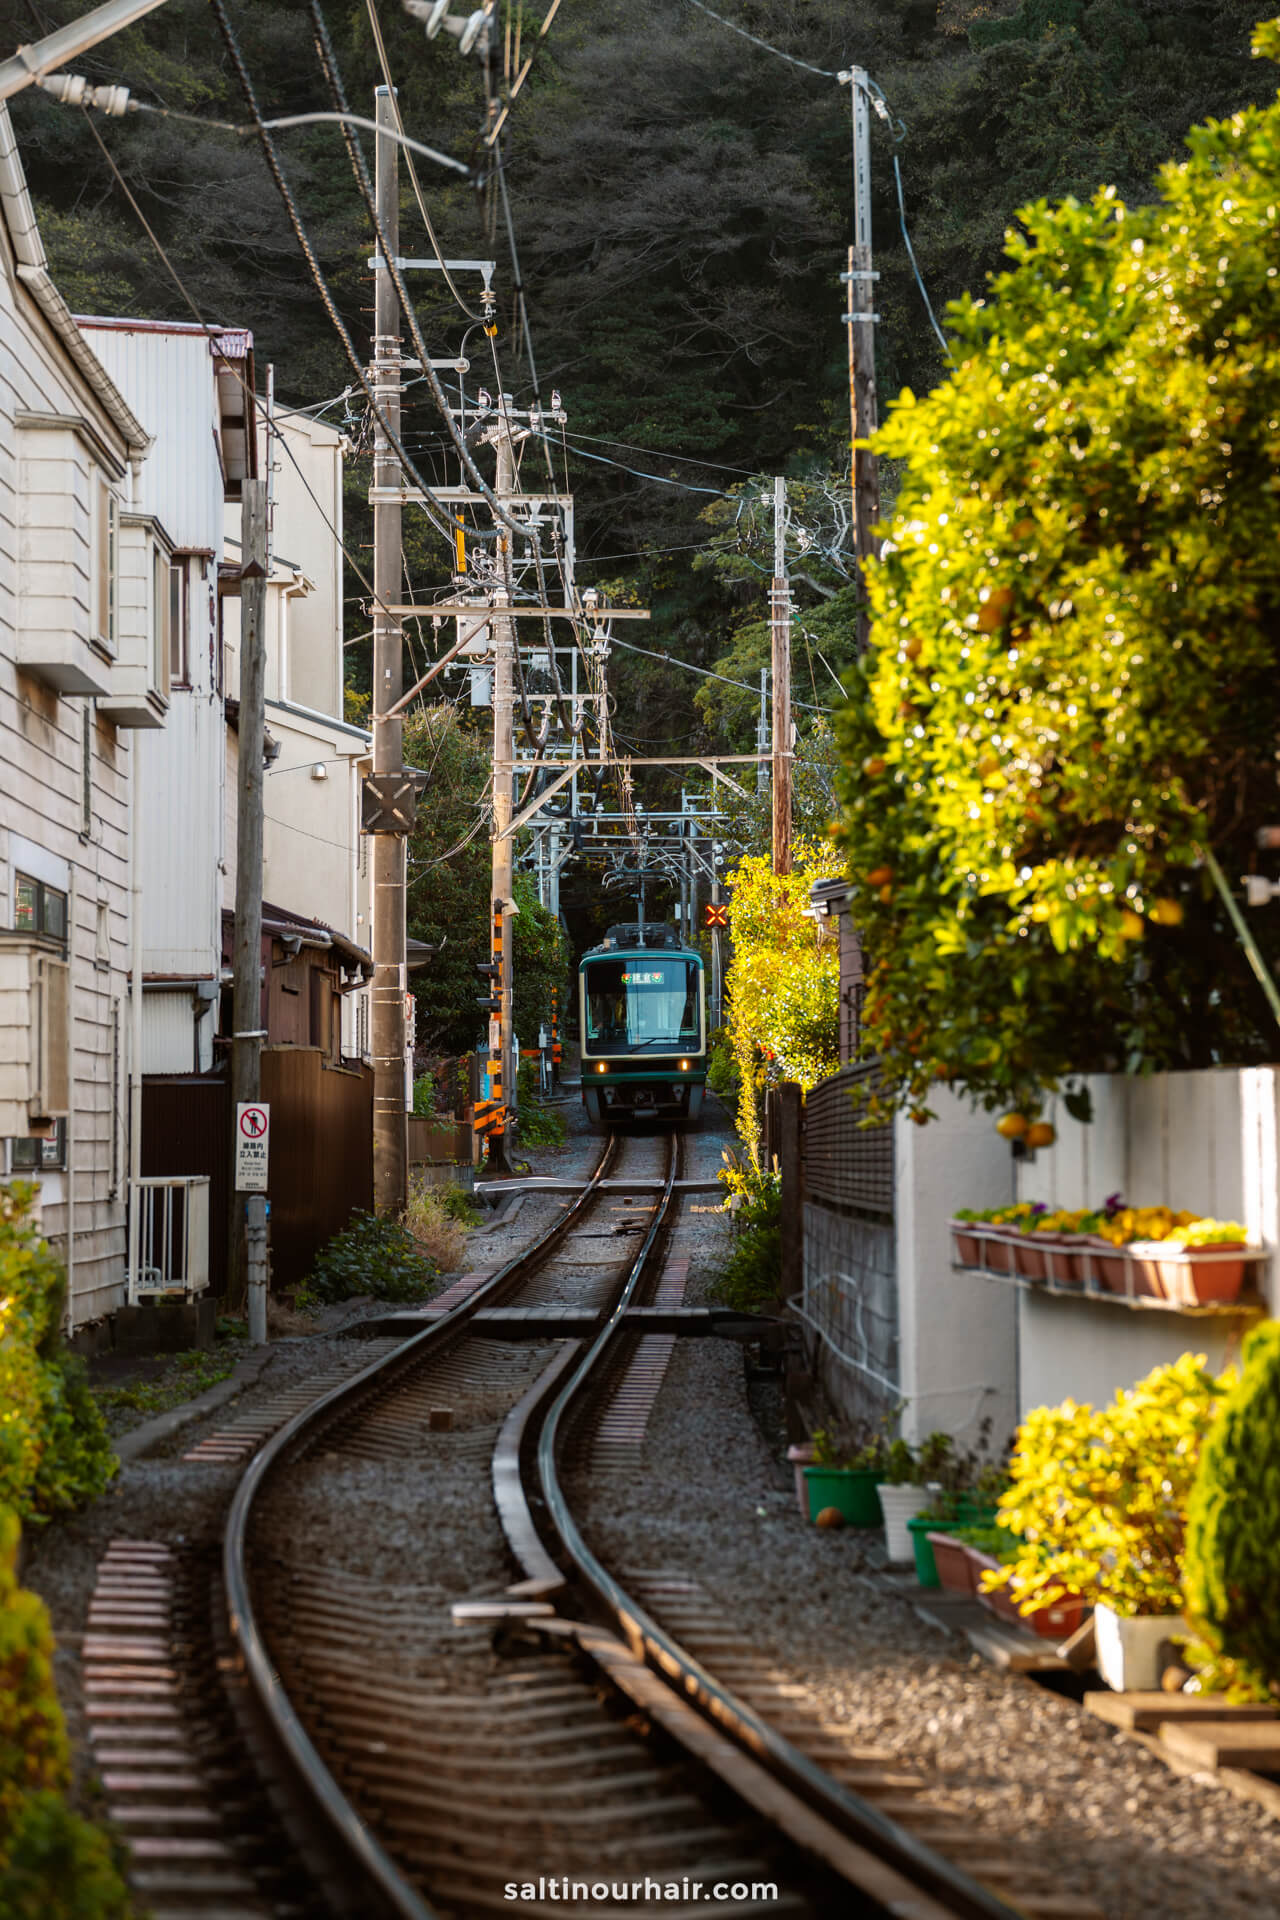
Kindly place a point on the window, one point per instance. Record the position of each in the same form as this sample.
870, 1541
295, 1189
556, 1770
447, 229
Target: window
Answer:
161, 623
102, 935
40, 1156
179, 616
38, 908
645, 1003
106, 542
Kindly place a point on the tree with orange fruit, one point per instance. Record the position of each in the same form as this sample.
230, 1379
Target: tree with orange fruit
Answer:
1073, 686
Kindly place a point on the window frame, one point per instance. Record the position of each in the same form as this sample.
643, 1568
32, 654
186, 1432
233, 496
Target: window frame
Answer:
42, 1161
179, 621
43, 893
106, 564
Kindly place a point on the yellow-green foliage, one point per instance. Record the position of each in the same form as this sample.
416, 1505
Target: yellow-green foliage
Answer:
1072, 684
1098, 1495
1232, 1584
783, 982
53, 1865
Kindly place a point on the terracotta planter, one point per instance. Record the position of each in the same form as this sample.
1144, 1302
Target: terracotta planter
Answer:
1108, 1265
1029, 1251
998, 1602
1050, 1623
1190, 1277
997, 1249
1064, 1258
801, 1456
966, 1238
951, 1558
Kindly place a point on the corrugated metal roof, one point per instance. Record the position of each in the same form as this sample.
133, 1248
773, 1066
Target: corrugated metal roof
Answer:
233, 343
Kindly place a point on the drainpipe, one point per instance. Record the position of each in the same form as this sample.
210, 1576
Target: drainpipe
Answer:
69, 1310
135, 1018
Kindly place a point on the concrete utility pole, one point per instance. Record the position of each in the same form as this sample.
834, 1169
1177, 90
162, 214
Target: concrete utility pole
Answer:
247, 1280
861, 321
501, 1089
780, 611
390, 979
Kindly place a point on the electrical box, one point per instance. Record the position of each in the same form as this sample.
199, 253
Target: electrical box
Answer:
481, 687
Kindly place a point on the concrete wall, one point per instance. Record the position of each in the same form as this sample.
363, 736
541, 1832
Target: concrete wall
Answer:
957, 1331
1204, 1140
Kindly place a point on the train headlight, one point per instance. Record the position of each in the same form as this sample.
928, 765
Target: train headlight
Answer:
601, 1067
684, 1066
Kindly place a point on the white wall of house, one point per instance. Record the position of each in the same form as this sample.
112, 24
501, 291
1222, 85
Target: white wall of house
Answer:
1206, 1141
167, 370
68, 444
957, 1332
313, 856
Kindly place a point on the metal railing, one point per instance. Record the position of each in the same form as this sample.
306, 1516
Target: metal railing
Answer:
169, 1239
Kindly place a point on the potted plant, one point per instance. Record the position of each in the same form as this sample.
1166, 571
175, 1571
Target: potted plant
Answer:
901, 1494
844, 1479
1189, 1264
1096, 1505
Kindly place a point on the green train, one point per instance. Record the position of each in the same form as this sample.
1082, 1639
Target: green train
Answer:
642, 1004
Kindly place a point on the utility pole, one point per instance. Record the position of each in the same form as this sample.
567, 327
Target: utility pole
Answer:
504, 756
248, 1240
390, 978
861, 321
780, 641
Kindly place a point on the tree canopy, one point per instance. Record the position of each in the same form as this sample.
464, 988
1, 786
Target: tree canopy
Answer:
1072, 688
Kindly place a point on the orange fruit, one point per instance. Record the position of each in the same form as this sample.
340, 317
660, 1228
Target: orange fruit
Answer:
879, 876
830, 1517
1131, 925
1041, 1134
1012, 1126
914, 648
1167, 913
885, 895
873, 766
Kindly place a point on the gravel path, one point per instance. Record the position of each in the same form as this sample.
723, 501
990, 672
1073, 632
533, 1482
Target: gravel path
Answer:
1055, 1785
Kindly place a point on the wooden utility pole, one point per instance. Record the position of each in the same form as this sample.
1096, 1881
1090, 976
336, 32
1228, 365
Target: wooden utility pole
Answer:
390, 979
247, 1248
501, 1089
861, 321
780, 611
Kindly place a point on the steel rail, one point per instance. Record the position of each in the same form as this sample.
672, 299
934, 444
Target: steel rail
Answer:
847, 1812
357, 1843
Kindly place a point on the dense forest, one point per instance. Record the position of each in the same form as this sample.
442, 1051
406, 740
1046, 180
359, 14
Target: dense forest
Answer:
680, 202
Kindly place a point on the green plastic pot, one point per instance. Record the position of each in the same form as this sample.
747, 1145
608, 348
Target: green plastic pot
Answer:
851, 1489
920, 1528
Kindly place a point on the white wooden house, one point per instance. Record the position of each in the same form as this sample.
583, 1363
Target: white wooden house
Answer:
195, 389
315, 860
83, 677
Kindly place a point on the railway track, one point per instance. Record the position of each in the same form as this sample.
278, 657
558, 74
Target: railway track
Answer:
438, 1738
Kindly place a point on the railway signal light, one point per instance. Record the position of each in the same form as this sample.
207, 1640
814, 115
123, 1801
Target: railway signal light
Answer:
489, 971
715, 915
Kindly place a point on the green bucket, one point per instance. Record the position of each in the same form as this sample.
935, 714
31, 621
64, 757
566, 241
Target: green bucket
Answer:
920, 1528
851, 1489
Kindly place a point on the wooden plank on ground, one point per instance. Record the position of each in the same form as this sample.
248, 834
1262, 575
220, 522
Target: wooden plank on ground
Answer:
1225, 1743
1009, 1647
1144, 1712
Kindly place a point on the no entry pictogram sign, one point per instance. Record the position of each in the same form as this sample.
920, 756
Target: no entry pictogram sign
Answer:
253, 1135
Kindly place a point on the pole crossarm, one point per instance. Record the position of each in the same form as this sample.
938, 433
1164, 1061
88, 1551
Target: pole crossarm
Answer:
450, 610
535, 807
709, 761
41, 56
713, 769
438, 666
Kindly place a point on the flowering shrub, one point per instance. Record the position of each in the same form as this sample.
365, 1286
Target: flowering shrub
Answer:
1098, 1496
783, 981
1071, 688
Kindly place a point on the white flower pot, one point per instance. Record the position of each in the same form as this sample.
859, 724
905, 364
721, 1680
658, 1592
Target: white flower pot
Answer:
1132, 1654
898, 1505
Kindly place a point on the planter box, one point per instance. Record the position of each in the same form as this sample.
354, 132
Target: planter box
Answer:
1191, 1276
898, 1505
1029, 1251
922, 1551
951, 1559
1133, 1653
851, 1489
1048, 1623
1065, 1258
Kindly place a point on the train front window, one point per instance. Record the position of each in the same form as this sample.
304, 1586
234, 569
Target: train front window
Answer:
643, 1004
